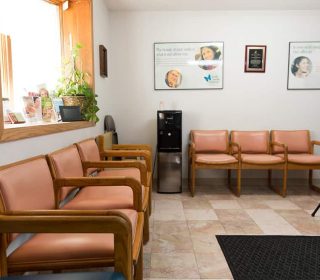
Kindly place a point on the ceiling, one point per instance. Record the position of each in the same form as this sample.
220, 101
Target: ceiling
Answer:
200, 5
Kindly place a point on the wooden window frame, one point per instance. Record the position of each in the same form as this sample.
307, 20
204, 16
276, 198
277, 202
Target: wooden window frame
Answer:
26, 131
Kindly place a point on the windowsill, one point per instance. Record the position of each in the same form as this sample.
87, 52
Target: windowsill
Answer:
14, 132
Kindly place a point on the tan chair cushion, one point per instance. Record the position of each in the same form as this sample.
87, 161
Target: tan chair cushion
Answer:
89, 151
61, 247
210, 140
251, 142
27, 186
298, 141
260, 159
127, 172
102, 198
302, 158
215, 159
67, 163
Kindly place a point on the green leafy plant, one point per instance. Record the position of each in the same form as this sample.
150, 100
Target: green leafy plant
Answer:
73, 83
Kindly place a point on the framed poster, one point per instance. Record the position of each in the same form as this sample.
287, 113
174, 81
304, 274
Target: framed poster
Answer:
179, 66
255, 59
304, 65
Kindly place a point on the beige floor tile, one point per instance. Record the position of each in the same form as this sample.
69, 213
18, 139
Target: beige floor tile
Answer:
200, 214
252, 204
234, 216
213, 265
216, 196
305, 203
168, 205
281, 204
169, 215
171, 236
200, 228
168, 210
196, 203
270, 222
225, 204
301, 221
174, 266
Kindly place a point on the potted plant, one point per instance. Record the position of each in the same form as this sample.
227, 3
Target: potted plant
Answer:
74, 89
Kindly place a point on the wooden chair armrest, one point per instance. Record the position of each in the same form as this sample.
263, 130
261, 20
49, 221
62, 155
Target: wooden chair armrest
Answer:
315, 142
64, 221
119, 164
145, 147
129, 153
278, 144
284, 146
234, 144
104, 182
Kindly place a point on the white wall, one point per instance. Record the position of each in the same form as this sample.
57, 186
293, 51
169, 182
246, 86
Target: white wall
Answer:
248, 101
17, 150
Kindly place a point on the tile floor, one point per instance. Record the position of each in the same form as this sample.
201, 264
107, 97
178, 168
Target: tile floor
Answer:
183, 244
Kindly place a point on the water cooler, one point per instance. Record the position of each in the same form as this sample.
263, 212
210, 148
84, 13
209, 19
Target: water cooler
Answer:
169, 132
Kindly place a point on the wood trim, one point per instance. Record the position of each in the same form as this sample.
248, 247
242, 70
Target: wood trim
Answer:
16, 133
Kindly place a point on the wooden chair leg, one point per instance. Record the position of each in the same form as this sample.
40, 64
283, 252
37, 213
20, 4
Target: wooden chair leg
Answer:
146, 231
150, 198
229, 177
311, 185
193, 180
284, 182
138, 268
238, 181
269, 177
189, 175
310, 178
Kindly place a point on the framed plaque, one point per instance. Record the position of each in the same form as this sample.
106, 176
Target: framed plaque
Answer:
255, 59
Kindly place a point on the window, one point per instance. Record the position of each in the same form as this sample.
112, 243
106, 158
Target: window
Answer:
32, 49
35, 47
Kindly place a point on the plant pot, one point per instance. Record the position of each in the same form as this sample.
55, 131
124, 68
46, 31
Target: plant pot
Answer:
75, 101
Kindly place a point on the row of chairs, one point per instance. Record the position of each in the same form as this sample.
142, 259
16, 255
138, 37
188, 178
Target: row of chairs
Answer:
85, 211
276, 150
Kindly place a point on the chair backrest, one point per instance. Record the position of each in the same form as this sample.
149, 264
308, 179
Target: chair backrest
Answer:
210, 141
26, 185
66, 163
88, 151
297, 141
104, 141
251, 142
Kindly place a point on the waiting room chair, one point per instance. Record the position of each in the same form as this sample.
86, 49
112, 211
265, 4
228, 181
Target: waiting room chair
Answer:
93, 166
300, 151
209, 149
252, 149
110, 149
